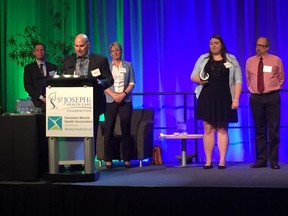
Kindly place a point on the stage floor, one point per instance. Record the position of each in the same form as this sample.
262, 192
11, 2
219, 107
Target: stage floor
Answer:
193, 175
154, 190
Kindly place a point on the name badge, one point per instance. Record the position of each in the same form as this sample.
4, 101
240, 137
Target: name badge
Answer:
52, 73
267, 69
96, 72
122, 70
227, 64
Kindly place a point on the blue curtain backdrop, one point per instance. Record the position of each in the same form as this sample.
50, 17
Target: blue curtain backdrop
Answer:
163, 39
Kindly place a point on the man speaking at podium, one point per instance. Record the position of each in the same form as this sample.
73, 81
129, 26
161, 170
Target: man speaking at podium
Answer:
87, 64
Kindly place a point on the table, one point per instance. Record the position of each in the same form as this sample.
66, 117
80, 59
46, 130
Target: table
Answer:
23, 147
183, 138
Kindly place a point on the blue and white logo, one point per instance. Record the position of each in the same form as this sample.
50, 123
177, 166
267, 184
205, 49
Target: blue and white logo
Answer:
55, 123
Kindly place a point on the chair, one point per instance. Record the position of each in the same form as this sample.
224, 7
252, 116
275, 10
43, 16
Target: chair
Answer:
142, 126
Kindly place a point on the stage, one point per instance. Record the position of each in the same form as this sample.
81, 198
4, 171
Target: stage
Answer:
154, 190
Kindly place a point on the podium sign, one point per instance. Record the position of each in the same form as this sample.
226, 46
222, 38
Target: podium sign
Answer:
69, 112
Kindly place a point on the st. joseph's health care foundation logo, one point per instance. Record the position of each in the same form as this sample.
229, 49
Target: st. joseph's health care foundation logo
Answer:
70, 104
55, 123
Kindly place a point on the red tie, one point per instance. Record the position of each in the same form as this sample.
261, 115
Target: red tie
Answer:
260, 79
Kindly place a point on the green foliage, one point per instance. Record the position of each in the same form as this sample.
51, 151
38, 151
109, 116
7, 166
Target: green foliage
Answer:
22, 44
57, 50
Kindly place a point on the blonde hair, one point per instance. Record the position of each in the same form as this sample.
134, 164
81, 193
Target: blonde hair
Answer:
115, 44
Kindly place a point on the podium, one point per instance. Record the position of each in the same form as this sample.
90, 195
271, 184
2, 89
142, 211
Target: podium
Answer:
70, 110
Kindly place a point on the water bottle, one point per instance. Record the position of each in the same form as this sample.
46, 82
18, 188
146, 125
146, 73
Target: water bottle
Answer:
18, 106
181, 127
29, 105
22, 106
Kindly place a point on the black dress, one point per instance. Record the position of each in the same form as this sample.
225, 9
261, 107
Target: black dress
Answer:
214, 102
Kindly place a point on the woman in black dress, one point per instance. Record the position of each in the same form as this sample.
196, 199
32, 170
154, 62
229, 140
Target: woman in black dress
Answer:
219, 79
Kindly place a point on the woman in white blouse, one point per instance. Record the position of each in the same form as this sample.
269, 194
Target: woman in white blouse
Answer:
119, 102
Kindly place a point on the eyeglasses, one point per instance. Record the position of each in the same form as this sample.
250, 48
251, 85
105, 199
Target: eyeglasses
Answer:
261, 45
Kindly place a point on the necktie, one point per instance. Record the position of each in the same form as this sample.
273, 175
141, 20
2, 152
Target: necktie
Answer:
260, 79
43, 92
41, 69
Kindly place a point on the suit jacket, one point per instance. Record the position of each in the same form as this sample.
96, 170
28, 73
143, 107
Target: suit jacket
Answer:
96, 61
35, 82
129, 77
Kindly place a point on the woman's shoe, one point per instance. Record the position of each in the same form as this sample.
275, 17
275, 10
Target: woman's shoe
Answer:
207, 166
221, 167
109, 164
127, 164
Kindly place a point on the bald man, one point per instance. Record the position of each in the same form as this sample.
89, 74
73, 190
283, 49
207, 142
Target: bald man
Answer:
87, 64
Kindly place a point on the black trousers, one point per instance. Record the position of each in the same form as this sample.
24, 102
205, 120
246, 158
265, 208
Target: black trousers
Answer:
124, 110
266, 116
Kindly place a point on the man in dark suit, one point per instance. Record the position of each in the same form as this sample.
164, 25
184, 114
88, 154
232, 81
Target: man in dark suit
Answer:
35, 75
87, 64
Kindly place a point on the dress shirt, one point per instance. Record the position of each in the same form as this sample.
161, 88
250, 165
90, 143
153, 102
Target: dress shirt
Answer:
82, 65
128, 79
44, 67
273, 73
118, 76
